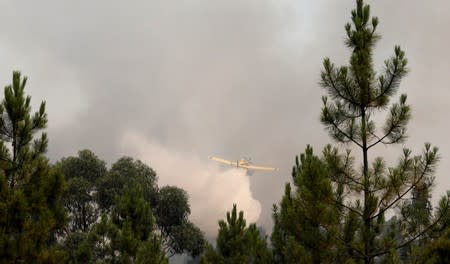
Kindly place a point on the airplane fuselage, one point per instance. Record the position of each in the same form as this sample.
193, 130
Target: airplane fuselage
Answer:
242, 162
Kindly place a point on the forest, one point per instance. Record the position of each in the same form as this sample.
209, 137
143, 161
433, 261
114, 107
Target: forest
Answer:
342, 205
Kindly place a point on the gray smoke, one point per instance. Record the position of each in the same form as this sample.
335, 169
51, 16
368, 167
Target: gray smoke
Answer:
195, 78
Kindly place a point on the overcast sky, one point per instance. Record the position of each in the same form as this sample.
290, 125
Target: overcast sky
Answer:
171, 82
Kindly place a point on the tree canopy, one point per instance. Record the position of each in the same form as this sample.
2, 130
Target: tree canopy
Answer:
343, 205
237, 243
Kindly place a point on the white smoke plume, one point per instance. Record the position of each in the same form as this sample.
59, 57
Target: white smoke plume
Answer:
212, 190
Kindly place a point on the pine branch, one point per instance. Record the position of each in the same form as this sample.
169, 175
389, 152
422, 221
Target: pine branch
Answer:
381, 139
386, 194
405, 219
351, 247
346, 206
344, 242
4, 130
377, 190
5, 159
385, 251
345, 134
399, 197
387, 134
349, 116
349, 178
345, 85
352, 180
389, 86
331, 84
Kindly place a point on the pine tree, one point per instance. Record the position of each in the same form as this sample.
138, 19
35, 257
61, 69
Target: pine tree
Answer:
436, 247
31, 211
418, 211
305, 221
77, 248
258, 249
438, 251
357, 93
237, 243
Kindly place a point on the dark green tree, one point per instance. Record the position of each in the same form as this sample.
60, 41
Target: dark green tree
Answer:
437, 252
151, 252
231, 239
237, 243
306, 219
444, 222
418, 212
94, 191
433, 247
187, 238
168, 214
81, 174
77, 248
31, 208
126, 171
357, 93
211, 256
259, 251
178, 233
126, 236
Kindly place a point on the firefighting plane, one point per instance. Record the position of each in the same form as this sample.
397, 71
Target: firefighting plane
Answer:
243, 163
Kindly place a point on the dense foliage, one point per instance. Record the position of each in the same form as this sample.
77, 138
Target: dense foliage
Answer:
306, 219
237, 242
31, 208
79, 210
116, 215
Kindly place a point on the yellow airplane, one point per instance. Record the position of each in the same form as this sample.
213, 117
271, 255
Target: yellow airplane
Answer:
242, 163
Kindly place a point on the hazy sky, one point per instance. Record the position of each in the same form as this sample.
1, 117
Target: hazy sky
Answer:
171, 82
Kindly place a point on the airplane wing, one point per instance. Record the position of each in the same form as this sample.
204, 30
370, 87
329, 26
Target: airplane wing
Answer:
260, 168
224, 161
